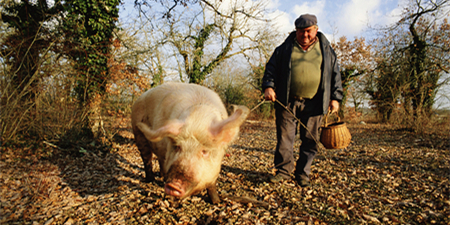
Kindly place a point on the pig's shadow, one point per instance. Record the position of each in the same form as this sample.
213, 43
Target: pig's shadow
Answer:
92, 172
103, 172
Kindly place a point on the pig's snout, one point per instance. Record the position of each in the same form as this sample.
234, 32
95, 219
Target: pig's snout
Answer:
174, 188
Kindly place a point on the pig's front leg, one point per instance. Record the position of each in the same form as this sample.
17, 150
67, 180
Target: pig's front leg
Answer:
149, 175
148, 167
146, 154
212, 192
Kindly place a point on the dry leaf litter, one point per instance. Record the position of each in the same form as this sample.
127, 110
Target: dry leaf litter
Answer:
385, 176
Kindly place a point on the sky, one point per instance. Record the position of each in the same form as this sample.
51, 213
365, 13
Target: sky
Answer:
336, 18
350, 18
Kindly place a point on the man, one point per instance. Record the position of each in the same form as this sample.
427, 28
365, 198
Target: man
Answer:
302, 74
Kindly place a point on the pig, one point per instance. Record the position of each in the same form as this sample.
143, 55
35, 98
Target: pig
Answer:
188, 128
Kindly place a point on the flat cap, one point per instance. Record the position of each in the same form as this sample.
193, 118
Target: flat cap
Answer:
305, 20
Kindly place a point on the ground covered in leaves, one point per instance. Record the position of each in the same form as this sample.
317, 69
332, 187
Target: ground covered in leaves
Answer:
386, 176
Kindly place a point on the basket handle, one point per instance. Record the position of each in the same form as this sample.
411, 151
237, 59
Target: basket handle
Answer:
329, 114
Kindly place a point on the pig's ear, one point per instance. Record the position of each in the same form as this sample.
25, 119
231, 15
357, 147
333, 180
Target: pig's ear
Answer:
172, 128
225, 131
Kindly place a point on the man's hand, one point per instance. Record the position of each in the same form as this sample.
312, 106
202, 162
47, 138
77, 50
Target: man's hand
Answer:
334, 106
269, 94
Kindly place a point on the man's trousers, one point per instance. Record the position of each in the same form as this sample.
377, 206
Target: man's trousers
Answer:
286, 124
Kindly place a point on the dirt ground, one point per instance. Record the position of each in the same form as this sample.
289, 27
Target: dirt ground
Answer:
385, 176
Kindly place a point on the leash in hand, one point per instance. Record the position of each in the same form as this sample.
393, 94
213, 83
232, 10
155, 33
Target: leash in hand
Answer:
281, 104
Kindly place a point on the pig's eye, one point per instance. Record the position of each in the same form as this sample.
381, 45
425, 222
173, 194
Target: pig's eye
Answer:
205, 153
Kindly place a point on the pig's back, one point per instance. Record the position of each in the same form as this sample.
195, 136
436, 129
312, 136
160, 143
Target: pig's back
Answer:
173, 101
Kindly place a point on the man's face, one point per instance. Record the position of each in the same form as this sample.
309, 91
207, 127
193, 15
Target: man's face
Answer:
306, 36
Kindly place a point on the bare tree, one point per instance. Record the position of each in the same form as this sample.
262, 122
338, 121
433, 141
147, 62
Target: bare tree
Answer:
142, 5
413, 56
209, 32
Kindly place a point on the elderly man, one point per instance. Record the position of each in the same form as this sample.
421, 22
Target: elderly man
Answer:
303, 75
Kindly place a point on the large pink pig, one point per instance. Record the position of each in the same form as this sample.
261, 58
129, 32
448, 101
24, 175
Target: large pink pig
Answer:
187, 127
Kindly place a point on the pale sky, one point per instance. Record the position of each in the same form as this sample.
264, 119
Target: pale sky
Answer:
336, 18
348, 18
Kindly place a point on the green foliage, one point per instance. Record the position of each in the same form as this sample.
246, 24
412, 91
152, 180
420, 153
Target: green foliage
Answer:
257, 75
158, 77
198, 73
89, 27
265, 111
234, 95
346, 75
383, 96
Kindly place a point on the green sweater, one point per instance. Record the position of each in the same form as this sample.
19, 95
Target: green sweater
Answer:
305, 71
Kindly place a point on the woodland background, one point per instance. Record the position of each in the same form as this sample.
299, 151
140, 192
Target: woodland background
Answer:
68, 67
70, 72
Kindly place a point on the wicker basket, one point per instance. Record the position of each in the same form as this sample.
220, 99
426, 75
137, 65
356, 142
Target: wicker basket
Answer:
335, 135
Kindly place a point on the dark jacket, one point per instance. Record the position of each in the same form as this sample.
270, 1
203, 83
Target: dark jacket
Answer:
278, 72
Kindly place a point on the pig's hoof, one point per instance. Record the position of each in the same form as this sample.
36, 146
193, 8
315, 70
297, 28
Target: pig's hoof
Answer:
212, 193
215, 199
